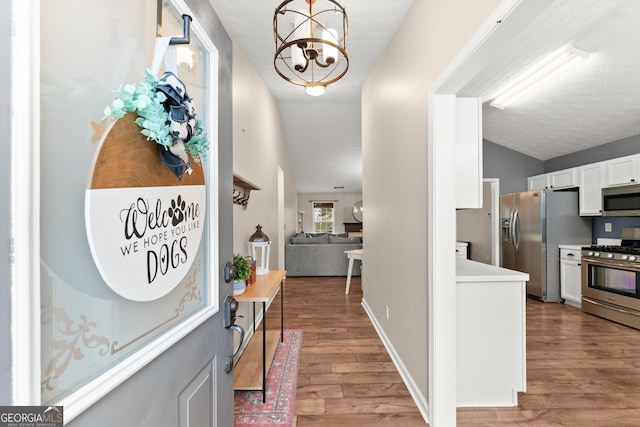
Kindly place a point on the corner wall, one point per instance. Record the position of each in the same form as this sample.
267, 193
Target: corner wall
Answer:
394, 135
510, 166
259, 152
259, 149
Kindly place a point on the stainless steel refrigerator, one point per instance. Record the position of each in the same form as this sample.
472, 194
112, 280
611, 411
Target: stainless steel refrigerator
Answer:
534, 223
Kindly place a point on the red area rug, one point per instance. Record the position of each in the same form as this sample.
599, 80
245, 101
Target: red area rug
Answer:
282, 381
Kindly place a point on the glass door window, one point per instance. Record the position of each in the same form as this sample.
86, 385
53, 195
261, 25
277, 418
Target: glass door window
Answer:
88, 329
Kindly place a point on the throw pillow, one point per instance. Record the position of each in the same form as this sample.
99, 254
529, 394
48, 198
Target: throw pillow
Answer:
344, 240
299, 240
320, 239
310, 240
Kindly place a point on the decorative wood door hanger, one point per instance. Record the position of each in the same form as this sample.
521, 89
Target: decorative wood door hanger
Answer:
146, 196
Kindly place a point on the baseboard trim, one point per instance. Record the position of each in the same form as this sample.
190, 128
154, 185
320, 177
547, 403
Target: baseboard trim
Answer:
418, 398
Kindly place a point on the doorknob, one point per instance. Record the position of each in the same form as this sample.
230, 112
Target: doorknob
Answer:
229, 312
228, 320
229, 272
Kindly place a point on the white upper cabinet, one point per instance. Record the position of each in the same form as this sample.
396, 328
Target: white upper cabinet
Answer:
592, 180
622, 171
538, 182
567, 178
468, 153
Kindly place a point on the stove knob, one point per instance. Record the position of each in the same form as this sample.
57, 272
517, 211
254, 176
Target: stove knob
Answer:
590, 253
596, 254
609, 255
632, 258
624, 257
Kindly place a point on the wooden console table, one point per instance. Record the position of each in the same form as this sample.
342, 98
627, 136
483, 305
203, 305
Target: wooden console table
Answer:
248, 375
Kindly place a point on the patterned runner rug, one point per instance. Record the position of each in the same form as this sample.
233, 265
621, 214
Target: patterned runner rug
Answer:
282, 381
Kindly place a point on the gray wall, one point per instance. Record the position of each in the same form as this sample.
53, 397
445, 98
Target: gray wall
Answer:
617, 223
512, 167
612, 150
5, 209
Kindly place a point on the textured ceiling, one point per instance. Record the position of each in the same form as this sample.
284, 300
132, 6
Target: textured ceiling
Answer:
596, 103
320, 162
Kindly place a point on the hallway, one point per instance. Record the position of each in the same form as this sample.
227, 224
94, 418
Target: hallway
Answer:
346, 377
581, 370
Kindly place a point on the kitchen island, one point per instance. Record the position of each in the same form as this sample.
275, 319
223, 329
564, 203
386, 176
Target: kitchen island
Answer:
491, 334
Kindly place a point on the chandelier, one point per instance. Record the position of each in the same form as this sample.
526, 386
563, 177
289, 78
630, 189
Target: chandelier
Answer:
311, 38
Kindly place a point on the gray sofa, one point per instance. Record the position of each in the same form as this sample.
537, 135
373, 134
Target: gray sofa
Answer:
320, 255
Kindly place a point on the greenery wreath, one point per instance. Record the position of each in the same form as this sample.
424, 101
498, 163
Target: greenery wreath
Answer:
149, 103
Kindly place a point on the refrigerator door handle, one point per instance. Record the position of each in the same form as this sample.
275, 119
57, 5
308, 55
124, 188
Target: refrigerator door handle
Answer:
515, 230
509, 230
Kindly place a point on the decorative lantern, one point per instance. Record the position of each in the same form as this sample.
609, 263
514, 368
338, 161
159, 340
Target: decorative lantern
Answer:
259, 247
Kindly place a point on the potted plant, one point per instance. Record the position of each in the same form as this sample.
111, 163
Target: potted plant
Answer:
243, 271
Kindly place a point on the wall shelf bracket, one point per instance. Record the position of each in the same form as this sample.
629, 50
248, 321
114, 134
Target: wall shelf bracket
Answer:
242, 190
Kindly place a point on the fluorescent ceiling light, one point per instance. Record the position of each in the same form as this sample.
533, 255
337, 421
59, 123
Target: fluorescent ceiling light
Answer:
540, 74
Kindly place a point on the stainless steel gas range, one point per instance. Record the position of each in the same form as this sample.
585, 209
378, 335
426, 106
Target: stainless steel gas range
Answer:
611, 280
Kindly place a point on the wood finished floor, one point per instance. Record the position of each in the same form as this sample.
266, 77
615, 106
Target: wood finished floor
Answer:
581, 370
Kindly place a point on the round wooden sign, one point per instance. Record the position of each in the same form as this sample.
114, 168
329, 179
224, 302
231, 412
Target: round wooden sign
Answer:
144, 224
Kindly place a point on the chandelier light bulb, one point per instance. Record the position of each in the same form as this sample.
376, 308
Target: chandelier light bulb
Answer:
315, 90
329, 52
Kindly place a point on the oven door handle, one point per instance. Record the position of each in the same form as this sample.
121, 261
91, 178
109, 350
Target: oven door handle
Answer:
610, 263
610, 307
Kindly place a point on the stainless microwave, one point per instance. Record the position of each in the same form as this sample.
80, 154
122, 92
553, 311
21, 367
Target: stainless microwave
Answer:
621, 201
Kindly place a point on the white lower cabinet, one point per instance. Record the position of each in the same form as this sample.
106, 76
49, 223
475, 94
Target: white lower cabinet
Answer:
462, 249
571, 277
491, 335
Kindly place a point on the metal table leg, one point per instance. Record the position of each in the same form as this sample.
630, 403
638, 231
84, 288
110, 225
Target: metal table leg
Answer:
264, 352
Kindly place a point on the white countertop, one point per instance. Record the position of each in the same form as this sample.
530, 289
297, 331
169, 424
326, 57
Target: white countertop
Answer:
473, 271
574, 247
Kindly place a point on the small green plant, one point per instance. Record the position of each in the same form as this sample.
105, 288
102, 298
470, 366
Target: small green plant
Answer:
243, 268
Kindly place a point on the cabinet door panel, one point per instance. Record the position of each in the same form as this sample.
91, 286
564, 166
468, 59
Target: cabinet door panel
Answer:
570, 282
591, 183
622, 171
564, 179
538, 182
